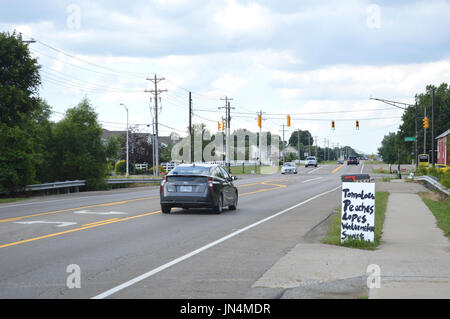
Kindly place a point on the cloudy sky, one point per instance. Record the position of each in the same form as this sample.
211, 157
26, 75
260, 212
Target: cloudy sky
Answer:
315, 60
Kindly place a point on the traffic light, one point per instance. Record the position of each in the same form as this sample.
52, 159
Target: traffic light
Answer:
332, 125
259, 121
288, 121
357, 125
223, 126
219, 128
426, 123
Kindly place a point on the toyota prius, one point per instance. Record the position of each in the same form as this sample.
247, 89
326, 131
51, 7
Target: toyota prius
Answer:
198, 186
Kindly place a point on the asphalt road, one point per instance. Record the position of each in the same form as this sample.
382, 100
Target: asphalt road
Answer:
125, 248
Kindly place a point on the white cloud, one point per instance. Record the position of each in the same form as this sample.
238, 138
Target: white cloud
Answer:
238, 20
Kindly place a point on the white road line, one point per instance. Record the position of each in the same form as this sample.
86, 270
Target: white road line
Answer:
195, 252
310, 180
362, 168
315, 170
60, 224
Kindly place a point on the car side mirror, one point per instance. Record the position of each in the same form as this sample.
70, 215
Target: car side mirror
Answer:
233, 178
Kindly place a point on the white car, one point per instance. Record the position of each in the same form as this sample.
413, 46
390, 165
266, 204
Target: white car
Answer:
311, 161
289, 168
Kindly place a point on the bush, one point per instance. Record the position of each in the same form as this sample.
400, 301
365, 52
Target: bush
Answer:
161, 170
421, 171
121, 167
445, 179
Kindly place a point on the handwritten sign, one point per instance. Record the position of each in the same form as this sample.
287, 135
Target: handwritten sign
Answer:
358, 211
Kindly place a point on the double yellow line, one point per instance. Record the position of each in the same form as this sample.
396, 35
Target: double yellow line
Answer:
114, 220
337, 168
87, 226
72, 209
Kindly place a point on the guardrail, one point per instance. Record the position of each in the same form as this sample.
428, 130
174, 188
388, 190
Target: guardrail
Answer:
132, 180
56, 185
67, 185
433, 182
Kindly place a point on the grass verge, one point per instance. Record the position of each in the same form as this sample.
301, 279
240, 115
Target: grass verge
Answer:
334, 234
237, 170
10, 200
440, 207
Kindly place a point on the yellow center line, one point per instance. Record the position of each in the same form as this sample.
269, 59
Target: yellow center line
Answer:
114, 220
338, 168
75, 230
72, 209
100, 222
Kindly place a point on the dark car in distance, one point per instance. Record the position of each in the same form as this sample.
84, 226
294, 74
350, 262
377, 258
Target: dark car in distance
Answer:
198, 186
353, 160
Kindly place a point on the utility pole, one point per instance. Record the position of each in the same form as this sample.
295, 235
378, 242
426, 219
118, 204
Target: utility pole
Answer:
260, 119
191, 136
309, 144
127, 139
432, 127
26, 41
283, 150
317, 147
155, 93
228, 108
424, 131
416, 160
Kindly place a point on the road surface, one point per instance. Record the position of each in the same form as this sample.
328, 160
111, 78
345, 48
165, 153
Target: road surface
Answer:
121, 246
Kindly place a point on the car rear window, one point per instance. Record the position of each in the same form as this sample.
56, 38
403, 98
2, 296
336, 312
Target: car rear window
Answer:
190, 170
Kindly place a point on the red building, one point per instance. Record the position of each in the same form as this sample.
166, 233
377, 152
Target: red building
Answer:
443, 153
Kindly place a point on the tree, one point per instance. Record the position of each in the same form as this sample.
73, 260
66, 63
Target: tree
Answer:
140, 148
21, 113
77, 150
389, 148
441, 119
305, 138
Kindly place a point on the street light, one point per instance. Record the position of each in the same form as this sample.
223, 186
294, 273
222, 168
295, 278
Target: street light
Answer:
127, 136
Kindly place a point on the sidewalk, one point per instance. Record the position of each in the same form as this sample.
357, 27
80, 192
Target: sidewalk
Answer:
414, 258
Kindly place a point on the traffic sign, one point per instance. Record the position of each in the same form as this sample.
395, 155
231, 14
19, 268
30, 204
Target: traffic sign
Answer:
410, 139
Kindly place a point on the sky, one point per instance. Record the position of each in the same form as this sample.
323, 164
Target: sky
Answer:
317, 61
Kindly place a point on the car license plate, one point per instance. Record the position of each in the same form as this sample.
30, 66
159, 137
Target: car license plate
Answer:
185, 189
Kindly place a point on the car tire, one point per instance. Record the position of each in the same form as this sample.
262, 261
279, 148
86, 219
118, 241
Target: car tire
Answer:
235, 203
219, 208
166, 209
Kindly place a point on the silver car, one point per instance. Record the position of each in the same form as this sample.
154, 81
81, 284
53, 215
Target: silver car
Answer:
289, 168
311, 161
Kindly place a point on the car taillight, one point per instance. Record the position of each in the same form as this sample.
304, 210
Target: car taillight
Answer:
163, 182
210, 184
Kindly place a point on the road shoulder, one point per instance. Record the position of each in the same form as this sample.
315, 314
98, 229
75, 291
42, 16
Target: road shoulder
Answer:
413, 258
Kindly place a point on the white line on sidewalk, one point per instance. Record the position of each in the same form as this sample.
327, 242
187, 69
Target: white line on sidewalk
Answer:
195, 252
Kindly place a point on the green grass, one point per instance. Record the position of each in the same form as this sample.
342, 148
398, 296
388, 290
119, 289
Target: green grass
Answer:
237, 170
10, 200
380, 171
441, 211
334, 234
